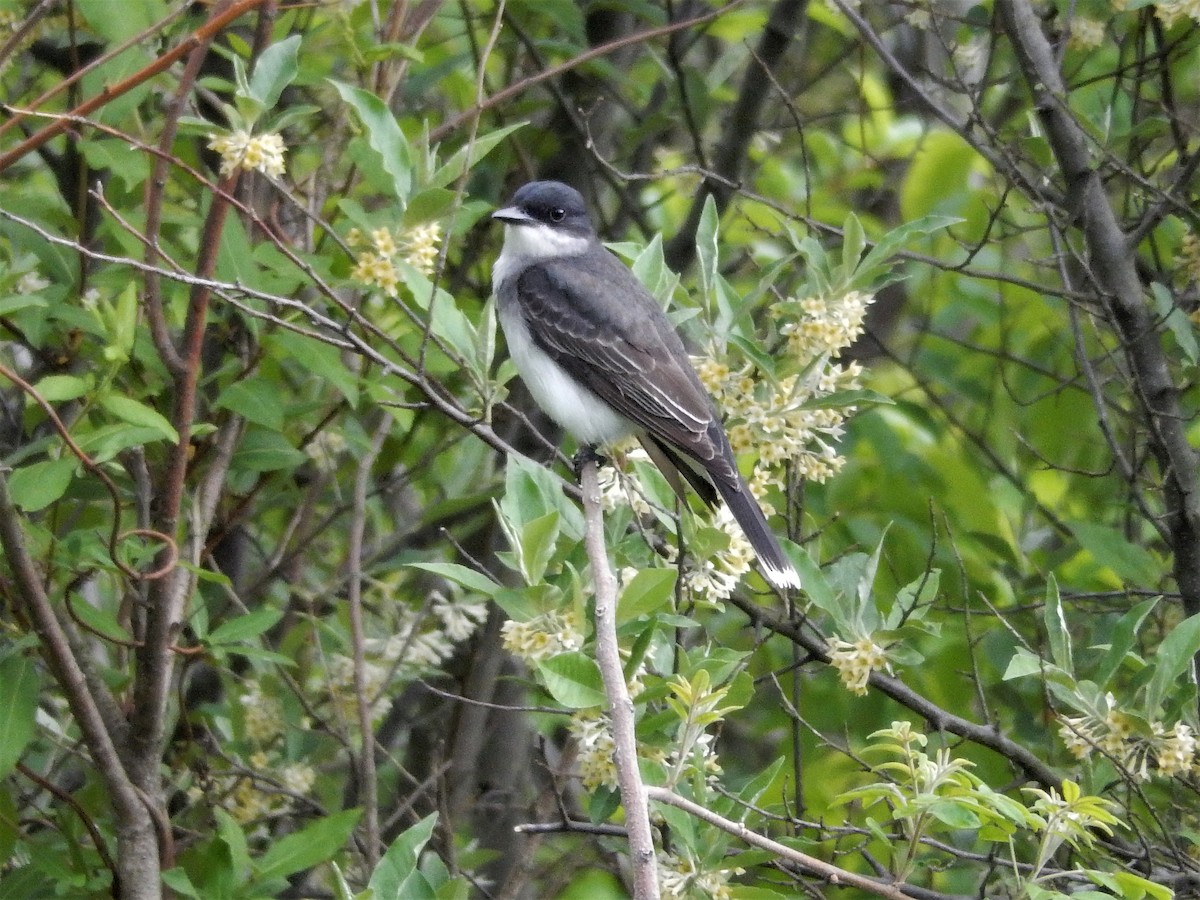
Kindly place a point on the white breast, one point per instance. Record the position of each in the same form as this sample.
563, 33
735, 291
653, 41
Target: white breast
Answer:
574, 407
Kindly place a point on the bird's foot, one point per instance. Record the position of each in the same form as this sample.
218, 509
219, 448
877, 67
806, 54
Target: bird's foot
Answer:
584, 455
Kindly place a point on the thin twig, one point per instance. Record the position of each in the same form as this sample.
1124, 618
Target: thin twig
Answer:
831, 873
367, 789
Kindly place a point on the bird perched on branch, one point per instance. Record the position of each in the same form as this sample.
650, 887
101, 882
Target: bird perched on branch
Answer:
600, 357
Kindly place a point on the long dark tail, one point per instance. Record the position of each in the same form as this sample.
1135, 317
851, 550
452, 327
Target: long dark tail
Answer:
776, 567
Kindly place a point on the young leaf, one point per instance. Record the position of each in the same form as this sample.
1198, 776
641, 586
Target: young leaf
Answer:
39, 484
460, 574
18, 707
853, 242
648, 592
1057, 630
389, 881
384, 136
245, 627
573, 679
706, 248
274, 70
136, 413
454, 167
308, 846
1124, 636
1174, 658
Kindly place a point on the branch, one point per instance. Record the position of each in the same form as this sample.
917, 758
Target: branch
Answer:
608, 656
1112, 266
368, 788
135, 829
110, 93
833, 874
938, 718
514, 90
741, 126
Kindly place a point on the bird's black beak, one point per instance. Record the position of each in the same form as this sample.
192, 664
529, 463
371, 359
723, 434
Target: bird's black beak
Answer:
512, 215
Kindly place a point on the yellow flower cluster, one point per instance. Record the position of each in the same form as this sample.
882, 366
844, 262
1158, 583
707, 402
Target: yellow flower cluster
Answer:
251, 797
1112, 732
1171, 11
542, 637
376, 262
856, 661
325, 448
714, 579
373, 265
828, 325
1086, 34
594, 742
774, 421
619, 485
262, 714
419, 245
683, 878
1189, 260
248, 152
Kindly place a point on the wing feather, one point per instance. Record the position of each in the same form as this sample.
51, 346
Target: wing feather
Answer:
625, 352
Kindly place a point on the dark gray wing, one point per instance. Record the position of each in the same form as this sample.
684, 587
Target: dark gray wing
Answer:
596, 320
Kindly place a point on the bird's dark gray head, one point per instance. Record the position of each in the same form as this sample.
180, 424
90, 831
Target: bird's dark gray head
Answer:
550, 204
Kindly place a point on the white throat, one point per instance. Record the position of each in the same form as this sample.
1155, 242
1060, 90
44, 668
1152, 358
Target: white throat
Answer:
532, 242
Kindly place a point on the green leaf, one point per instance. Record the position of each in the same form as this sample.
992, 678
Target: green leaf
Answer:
1131, 886
1123, 638
107, 441
384, 136
18, 708
878, 261
391, 878
1177, 321
230, 833
256, 400
39, 484
853, 243
573, 679
457, 164
266, 451
100, 620
1057, 630
136, 413
459, 574
953, 814
648, 592
1110, 548
1173, 659
179, 882
243, 628
275, 68
707, 253
54, 388
321, 359
313, 844
120, 322
538, 540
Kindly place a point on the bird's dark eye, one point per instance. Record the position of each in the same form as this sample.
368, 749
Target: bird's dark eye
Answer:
557, 214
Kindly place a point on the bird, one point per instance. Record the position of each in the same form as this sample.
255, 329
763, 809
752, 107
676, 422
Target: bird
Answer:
600, 357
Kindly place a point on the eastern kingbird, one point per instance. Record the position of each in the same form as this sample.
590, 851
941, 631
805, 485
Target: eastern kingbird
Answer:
600, 357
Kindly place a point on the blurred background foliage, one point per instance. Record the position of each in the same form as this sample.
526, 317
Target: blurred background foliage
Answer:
245, 260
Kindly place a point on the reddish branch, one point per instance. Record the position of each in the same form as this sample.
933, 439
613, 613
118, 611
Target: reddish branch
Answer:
203, 34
